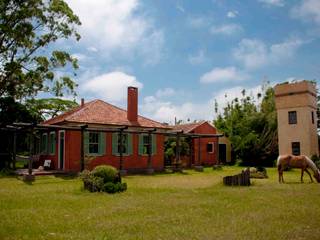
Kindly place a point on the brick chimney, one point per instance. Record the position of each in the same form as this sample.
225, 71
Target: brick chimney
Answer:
132, 111
82, 102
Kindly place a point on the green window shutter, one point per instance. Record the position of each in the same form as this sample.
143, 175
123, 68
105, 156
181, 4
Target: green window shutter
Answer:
86, 142
115, 144
154, 144
140, 144
53, 143
46, 143
102, 143
129, 147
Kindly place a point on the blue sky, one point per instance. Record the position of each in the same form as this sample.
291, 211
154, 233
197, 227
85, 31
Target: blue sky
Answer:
184, 54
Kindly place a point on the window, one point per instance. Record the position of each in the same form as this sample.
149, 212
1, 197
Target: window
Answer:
210, 147
126, 144
144, 143
292, 117
312, 117
52, 142
93, 142
295, 148
44, 143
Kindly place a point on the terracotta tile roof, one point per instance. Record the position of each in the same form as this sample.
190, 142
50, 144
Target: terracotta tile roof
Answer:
100, 112
187, 128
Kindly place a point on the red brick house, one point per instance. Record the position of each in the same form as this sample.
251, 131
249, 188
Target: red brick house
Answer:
63, 146
204, 150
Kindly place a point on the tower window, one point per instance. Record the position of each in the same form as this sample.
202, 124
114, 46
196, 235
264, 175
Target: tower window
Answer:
292, 117
295, 148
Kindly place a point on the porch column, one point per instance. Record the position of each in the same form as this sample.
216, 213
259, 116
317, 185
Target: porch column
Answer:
178, 162
150, 170
14, 150
191, 151
199, 151
29, 177
82, 147
121, 149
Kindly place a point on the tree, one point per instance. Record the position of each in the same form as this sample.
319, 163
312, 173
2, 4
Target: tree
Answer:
49, 107
27, 28
251, 129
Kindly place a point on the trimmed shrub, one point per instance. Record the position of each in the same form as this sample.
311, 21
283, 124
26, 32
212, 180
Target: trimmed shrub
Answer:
103, 179
110, 187
107, 173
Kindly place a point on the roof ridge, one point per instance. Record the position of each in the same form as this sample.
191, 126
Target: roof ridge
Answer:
80, 110
127, 111
194, 123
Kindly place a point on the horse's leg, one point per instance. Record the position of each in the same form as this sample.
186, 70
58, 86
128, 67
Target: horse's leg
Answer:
281, 176
302, 170
309, 175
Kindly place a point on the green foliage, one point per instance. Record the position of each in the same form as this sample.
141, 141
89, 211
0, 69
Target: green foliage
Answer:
12, 111
107, 173
49, 107
170, 147
251, 128
27, 28
110, 187
103, 178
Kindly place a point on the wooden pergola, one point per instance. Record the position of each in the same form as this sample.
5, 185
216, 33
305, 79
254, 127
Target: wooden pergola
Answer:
121, 130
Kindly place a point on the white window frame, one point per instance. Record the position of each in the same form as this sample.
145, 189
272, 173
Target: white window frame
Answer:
64, 149
50, 143
212, 143
46, 144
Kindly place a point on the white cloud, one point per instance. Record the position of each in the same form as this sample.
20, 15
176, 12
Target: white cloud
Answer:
116, 28
293, 79
198, 58
227, 95
180, 8
232, 14
228, 74
111, 87
227, 29
167, 111
254, 53
307, 10
277, 3
80, 56
92, 49
198, 21
251, 52
166, 92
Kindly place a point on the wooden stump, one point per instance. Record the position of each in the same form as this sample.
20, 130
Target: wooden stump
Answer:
242, 179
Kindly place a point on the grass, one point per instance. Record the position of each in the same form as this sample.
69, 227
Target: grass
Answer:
166, 206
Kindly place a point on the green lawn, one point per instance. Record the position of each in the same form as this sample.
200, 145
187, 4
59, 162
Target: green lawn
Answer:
169, 206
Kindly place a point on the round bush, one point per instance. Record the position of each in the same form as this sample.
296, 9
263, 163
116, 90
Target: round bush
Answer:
109, 187
106, 172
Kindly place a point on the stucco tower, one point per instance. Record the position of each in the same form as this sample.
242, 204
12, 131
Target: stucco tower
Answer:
296, 105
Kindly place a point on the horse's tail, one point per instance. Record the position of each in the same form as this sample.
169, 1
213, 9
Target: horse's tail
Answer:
278, 163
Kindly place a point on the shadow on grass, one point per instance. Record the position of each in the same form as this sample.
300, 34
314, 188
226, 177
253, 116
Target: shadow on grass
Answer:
67, 176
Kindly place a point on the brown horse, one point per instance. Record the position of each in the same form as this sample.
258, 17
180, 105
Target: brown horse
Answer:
302, 162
